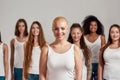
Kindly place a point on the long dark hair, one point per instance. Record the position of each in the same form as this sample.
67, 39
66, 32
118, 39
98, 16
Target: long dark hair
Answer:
29, 47
86, 25
83, 46
110, 40
0, 37
17, 33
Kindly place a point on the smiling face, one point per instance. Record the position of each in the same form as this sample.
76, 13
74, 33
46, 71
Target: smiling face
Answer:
93, 26
76, 34
115, 34
60, 28
35, 30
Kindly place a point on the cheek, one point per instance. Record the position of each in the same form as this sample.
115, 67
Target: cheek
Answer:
65, 31
23, 28
111, 35
119, 35
32, 31
72, 35
80, 35
54, 32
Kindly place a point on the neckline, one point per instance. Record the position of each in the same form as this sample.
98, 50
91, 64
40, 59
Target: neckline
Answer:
19, 41
94, 41
63, 53
36, 46
113, 48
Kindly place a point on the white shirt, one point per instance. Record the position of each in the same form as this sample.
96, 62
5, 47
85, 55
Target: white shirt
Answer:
112, 64
34, 67
18, 54
2, 73
95, 48
84, 68
61, 66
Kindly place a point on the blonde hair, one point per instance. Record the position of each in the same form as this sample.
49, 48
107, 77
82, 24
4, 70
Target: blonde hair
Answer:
59, 18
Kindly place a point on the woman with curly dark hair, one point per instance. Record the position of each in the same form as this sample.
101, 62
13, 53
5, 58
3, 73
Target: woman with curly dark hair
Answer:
95, 39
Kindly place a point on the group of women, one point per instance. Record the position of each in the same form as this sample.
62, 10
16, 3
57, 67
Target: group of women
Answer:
85, 55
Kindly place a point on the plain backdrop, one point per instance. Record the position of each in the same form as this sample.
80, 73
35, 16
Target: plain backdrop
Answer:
44, 11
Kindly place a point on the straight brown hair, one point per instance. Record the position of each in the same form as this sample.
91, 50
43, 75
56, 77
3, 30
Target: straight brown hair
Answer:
29, 47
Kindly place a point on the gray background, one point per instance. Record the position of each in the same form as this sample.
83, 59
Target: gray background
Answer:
107, 11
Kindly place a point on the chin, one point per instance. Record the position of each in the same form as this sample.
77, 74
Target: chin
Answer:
76, 40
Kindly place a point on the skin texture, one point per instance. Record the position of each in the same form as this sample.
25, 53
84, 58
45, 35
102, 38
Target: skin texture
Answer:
20, 38
5, 50
60, 45
115, 37
76, 34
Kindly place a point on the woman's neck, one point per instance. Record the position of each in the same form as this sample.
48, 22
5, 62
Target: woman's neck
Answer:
60, 42
77, 43
35, 40
21, 36
93, 34
116, 43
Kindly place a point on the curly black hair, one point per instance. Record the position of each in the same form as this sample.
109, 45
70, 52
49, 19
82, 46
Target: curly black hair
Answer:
86, 25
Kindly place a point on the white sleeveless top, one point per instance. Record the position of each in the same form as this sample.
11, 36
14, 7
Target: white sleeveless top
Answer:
84, 68
112, 64
34, 67
18, 54
95, 48
61, 66
2, 73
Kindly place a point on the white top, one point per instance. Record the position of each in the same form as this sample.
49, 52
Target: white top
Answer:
2, 73
34, 67
95, 48
61, 66
84, 68
112, 64
18, 54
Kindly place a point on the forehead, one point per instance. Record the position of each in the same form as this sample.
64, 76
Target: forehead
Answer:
114, 29
76, 29
93, 22
21, 23
35, 25
60, 23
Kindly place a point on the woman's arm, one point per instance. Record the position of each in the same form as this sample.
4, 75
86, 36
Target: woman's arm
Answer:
6, 61
78, 63
103, 41
23, 76
43, 63
89, 70
12, 58
100, 67
89, 66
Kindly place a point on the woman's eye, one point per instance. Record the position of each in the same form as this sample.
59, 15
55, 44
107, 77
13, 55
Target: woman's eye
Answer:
63, 28
55, 28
